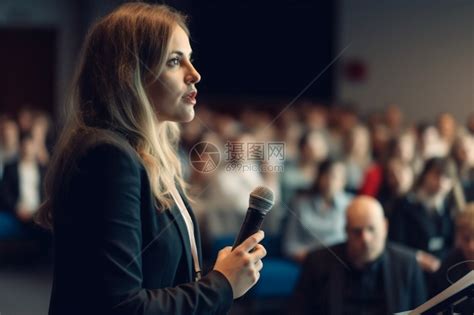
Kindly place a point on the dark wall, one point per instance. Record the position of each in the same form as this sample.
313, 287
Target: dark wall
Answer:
263, 50
28, 61
267, 49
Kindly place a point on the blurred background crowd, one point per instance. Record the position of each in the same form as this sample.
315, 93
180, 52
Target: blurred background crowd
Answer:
26, 142
422, 173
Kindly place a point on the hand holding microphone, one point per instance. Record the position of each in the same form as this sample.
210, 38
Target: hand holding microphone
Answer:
241, 264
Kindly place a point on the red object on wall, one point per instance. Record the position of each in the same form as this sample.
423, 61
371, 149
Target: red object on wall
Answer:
355, 70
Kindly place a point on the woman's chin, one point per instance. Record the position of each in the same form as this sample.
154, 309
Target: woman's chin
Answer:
183, 116
187, 117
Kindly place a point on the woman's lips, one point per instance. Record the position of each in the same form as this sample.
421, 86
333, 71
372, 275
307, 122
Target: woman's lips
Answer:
190, 98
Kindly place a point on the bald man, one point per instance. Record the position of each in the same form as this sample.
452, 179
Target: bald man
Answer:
364, 275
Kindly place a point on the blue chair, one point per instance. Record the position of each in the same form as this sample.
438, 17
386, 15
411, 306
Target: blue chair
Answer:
277, 278
11, 228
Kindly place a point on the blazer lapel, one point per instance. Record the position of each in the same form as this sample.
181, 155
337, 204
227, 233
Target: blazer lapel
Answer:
178, 220
197, 234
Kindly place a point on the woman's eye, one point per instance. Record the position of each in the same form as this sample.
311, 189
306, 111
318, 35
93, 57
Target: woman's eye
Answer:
173, 62
177, 61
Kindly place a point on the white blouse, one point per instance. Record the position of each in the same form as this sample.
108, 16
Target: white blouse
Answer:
189, 225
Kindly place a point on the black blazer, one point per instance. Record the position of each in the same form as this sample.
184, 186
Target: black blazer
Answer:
321, 282
114, 253
414, 226
10, 185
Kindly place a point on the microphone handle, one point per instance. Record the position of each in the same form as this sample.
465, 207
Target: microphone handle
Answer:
251, 225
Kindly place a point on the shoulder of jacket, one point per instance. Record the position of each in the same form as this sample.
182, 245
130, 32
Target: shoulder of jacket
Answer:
91, 141
400, 252
323, 255
109, 154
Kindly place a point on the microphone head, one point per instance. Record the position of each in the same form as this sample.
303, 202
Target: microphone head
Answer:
262, 199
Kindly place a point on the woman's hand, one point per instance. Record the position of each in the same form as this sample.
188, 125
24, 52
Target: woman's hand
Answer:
242, 266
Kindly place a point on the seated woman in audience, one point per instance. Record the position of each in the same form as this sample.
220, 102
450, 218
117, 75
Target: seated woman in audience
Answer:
397, 181
422, 220
319, 214
313, 149
447, 128
404, 147
396, 171
357, 156
21, 184
373, 176
460, 260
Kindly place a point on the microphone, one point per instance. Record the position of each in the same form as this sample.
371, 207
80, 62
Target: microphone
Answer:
260, 202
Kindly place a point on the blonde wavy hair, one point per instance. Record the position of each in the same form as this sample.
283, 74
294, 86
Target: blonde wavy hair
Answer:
122, 53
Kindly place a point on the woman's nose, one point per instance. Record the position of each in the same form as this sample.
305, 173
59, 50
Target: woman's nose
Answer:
193, 76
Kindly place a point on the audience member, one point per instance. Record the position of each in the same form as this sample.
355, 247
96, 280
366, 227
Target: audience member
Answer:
423, 220
447, 128
431, 143
21, 184
403, 147
319, 217
313, 149
397, 181
364, 275
393, 119
25, 120
357, 156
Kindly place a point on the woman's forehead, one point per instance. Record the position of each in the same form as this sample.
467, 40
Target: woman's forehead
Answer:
179, 42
